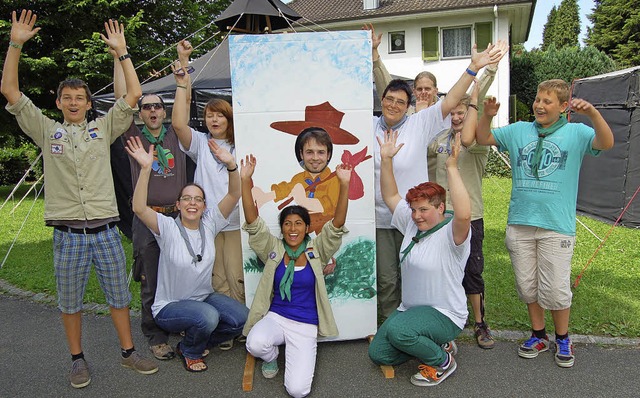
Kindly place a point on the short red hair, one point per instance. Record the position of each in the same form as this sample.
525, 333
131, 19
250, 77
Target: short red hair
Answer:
430, 191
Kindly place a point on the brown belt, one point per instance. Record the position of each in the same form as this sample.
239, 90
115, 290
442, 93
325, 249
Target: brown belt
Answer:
164, 209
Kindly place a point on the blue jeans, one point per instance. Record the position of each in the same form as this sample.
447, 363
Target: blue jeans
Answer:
206, 323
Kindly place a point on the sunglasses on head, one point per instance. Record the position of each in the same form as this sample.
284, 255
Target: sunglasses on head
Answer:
153, 105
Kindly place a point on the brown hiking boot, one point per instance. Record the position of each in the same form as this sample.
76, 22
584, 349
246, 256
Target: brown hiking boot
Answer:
483, 336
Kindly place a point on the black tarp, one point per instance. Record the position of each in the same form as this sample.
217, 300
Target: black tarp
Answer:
256, 16
609, 181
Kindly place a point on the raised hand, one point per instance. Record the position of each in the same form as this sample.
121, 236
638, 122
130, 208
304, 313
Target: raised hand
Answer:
184, 51
503, 48
222, 154
452, 160
424, 100
135, 149
375, 39
247, 166
22, 29
491, 106
343, 172
115, 36
492, 54
582, 107
388, 148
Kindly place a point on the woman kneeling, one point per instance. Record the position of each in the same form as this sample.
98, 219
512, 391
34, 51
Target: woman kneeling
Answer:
185, 300
291, 305
435, 251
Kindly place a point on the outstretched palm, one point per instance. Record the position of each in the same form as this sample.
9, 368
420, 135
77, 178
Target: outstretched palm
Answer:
22, 29
136, 150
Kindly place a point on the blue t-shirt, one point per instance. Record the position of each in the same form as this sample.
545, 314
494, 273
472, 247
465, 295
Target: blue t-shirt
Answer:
550, 201
302, 307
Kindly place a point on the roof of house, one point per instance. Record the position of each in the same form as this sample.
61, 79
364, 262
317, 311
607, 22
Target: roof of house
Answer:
321, 11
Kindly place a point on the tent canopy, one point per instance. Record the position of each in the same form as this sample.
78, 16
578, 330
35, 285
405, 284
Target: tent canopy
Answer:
256, 16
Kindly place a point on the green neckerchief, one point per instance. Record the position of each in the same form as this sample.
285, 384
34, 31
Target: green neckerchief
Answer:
424, 234
287, 278
542, 134
162, 157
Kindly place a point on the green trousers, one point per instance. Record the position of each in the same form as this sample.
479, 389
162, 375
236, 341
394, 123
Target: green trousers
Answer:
417, 332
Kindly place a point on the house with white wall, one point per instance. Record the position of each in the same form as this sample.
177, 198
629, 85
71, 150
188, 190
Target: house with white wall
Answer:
433, 35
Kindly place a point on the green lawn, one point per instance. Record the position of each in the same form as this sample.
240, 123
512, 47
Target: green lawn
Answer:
607, 301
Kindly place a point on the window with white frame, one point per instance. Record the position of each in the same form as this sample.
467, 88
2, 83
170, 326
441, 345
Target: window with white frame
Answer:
396, 42
454, 42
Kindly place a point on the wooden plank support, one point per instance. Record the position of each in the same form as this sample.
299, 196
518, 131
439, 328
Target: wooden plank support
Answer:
247, 377
387, 370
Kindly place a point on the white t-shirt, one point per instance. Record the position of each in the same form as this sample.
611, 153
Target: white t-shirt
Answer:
410, 164
433, 270
211, 175
179, 278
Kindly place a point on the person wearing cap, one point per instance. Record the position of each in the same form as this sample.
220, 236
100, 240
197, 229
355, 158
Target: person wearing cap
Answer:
168, 176
80, 201
316, 188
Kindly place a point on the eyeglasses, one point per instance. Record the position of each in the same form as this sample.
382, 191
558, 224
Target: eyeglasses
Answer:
394, 101
153, 105
187, 198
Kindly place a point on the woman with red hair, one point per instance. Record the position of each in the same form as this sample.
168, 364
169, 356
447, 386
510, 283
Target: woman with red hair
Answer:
434, 253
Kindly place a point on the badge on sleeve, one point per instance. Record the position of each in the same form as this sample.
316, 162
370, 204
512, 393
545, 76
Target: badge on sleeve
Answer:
57, 149
59, 132
272, 255
93, 132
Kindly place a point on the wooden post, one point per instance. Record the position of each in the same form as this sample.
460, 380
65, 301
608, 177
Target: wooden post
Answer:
247, 377
387, 370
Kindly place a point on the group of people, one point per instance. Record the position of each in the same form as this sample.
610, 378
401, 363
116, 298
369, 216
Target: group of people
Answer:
428, 165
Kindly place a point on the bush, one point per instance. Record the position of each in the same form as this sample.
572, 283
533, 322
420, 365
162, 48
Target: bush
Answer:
14, 162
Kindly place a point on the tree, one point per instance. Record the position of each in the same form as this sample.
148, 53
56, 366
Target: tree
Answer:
549, 28
529, 68
616, 30
563, 26
69, 44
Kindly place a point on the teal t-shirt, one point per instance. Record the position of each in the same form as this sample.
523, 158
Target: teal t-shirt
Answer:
550, 201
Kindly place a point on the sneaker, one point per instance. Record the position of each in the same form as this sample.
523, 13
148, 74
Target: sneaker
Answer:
139, 363
226, 345
80, 376
564, 353
450, 347
270, 369
532, 347
483, 336
162, 351
241, 339
432, 376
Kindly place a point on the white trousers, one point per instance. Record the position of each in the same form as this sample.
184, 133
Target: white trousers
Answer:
302, 345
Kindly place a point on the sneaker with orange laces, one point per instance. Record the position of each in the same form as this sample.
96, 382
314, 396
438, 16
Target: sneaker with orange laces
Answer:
433, 375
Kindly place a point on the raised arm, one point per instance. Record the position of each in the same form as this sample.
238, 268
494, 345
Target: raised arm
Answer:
492, 54
180, 114
230, 200
388, 186
381, 75
22, 29
468, 135
247, 167
145, 159
119, 85
459, 196
343, 173
115, 40
483, 131
604, 137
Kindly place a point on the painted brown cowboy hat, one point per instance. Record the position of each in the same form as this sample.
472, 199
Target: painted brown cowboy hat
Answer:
324, 116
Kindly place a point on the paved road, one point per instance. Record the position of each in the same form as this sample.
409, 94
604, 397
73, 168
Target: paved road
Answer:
35, 363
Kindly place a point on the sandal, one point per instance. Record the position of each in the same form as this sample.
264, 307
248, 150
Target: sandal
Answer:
189, 363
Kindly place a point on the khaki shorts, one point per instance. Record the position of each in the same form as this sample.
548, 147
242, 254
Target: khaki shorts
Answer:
541, 261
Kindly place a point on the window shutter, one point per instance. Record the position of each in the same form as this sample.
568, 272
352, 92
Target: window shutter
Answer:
484, 35
430, 44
